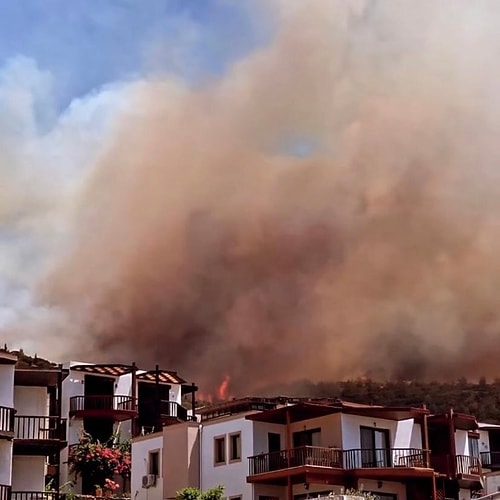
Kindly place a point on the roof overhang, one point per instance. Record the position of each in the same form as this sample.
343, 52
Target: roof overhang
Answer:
162, 376
112, 370
7, 358
305, 411
293, 413
38, 378
462, 421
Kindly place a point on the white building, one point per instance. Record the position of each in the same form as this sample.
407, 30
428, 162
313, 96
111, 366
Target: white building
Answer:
7, 364
267, 449
105, 399
32, 432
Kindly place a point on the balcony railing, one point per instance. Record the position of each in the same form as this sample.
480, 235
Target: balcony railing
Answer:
102, 403
305, 455
39, 428
490, 459
336, 458
35, 495
461, 464
385, 457
6, 420
172, 409
5, 492
468, 465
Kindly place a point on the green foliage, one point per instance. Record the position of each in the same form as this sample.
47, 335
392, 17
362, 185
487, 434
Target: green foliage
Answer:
213, 493
195, 494
480, 399
188, 494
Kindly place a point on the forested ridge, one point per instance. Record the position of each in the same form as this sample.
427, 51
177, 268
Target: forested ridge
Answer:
481, 399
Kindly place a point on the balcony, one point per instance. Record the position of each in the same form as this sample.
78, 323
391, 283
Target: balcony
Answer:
115, 408
171, 411
5, 492
368, 463
37, 435
468, 466
7, 422
491, 459
35, 495
385, 457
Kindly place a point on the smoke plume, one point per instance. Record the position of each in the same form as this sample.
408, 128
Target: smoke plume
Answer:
327, 208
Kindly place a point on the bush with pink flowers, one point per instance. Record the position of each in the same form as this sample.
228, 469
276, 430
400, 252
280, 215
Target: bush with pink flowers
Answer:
100, 462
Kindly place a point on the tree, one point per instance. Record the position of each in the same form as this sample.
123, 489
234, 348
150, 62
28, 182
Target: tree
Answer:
196, 494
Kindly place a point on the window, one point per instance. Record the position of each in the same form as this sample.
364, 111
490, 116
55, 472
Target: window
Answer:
237, 497
220, 450
235, 447
154, 463
374, 447
473, 447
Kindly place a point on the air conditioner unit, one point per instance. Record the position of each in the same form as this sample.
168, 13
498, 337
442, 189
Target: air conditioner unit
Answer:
148, 481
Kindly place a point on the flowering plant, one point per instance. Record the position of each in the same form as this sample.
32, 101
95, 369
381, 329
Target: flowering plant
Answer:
101, 462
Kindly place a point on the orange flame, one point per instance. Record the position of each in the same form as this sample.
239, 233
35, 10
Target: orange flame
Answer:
205, 396
223, 388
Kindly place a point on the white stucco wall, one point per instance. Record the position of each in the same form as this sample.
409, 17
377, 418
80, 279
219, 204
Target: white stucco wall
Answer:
461, 444
231, 475
484, 441
7, 385
398, 489
141, 447
5, 462
175, 393
123, 385
351, 433
464, 494
491, 483
407, 435
260, 436
330, 425
267, 490
31, 400
22, 480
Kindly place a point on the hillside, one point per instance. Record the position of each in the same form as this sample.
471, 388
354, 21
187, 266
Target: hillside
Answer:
481, 399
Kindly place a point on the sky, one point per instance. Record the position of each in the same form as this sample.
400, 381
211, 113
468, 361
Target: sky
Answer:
65, 71
85, 44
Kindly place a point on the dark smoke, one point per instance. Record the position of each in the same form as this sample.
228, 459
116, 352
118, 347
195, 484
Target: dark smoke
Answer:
203, 243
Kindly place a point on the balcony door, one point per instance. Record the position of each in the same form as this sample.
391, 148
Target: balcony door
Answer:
307, 438
374, 447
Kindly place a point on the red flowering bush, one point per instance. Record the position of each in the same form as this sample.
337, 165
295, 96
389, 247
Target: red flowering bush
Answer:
100, 462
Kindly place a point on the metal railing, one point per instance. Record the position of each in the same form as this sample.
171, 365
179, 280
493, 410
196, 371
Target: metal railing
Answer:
468, 465
173, 409
337, 458
295, 457
460, 464
5, 492
39, 428
7, 419
490, 458
385, 457
35, 495
117, 403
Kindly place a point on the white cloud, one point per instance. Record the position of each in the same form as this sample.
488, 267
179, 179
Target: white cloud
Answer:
45, 156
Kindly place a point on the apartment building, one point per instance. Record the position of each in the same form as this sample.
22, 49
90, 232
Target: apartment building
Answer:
32, 430
489, 452
44, 407
277, 449
454, 441
106, 399
7, 412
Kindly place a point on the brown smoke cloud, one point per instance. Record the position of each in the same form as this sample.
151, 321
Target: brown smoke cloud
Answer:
204, 244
